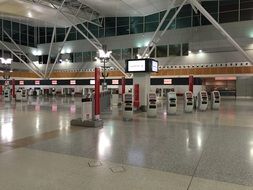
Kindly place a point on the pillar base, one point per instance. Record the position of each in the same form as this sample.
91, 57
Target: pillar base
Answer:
87, 123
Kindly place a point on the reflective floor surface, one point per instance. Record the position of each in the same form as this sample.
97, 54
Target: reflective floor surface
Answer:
199, 150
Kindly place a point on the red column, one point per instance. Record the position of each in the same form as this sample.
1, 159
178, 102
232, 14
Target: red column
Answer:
136, 96
97, 93
123, 86
191, 83
13, 88
1, 90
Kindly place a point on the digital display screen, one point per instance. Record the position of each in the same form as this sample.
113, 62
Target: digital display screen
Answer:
21, 82
136, 65
54, 82
154, 66
37, 82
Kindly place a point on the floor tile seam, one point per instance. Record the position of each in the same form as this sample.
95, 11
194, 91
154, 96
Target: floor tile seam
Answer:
200, 158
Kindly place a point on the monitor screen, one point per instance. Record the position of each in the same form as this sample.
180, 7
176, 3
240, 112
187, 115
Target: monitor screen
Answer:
154, 66
136, 65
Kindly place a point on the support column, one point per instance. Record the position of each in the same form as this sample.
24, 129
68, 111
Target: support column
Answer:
123, 87
191, 83
1, 90
97, 93
13, 88
143, 79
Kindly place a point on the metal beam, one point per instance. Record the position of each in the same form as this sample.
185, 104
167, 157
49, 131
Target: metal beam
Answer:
220, 29
17, 46
50, 51
93, 43
59, 51
21, 59
165, 29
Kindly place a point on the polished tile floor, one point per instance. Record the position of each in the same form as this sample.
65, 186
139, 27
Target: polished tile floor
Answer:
200, 150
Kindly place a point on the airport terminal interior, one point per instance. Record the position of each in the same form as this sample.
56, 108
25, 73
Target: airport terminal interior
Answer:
131, 95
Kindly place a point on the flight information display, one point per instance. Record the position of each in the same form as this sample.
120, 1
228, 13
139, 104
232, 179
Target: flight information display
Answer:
141, 65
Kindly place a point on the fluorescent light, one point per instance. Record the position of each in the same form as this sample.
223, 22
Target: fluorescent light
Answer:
6, 61
62, 51
104, 55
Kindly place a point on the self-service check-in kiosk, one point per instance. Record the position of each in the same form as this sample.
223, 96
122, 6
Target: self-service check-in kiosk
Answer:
24, 95
188, 101
128, 106
87, 108
7, 95
172, 103
30, 92
53, 91
215, 100
152, 107
72, 92
19, 95
202, 100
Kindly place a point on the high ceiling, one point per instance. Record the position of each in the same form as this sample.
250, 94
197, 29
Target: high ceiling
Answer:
41, 12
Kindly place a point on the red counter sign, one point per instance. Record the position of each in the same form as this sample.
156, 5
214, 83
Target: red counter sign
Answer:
73, 82
167, 81
54, 82
21, 82
115, 81
37, 82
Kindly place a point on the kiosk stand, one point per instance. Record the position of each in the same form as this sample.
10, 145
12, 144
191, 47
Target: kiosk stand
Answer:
53, 92
172, 103
202, 100
188, 102
152, 107
7, 94
24, 95
127, 106
19, 95
215, 100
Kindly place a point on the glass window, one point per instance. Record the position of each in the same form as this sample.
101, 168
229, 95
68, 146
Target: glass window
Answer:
109, 32
196, 20
101, 32
229, 5
151, 27
116, 53
123, 30
185, 49
15, 36
15, 26
152, 18
122, 21
136, 25
72, 34
135, 52
24, 39
87, 56
79, 35
42, 35
49, 34
78, 57
186, 11
31, 30
183, 22
7, 28
210, 6
126, 53
152, 54
93, 55
31, 41
204, 21
246, 4
246, 14
174, 49
93, 29
161, 51
110, 22
231, 16
60, 34
1, 31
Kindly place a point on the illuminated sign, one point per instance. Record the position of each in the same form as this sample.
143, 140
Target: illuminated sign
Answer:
92, 82
21, 82
54, 82
115, 81
136, 65
154, 66
73, 82
37, 82
167, 81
